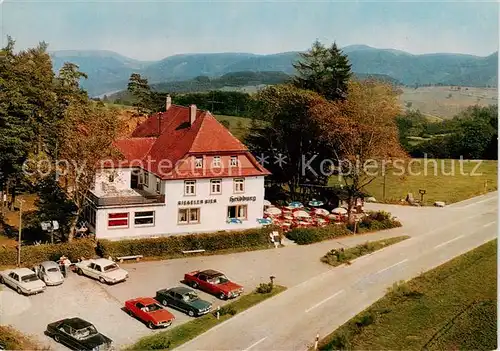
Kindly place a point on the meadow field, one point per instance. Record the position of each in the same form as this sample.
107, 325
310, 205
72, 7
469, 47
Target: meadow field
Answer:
452, 307
445, 102
442, 180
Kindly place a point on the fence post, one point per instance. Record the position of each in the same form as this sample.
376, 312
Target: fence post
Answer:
316, 342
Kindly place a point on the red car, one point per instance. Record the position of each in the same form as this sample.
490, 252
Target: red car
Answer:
149, 311
213, 282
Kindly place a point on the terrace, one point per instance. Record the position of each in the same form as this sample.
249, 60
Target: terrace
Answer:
111, 196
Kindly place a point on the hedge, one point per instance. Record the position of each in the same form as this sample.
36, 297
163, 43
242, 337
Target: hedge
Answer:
304, 236
171, 246
33, 254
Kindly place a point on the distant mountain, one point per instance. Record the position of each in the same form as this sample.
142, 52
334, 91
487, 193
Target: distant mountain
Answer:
109, 71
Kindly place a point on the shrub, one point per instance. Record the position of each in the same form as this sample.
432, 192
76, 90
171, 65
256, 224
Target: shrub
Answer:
264, 288
171, 246
365, 320
33, 254
375, 221
227, 310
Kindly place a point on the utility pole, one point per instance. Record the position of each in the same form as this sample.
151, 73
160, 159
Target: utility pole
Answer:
214, 102
20, 231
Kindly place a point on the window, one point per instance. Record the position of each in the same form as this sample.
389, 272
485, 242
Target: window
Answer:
198, 162
234, 161
158, 185
189, 216
239, 211
145, 179
190, 187
215, 186
144, 218
239, 185
118, 220
216, 161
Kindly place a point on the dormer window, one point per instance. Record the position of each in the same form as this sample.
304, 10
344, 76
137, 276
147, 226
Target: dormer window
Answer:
216, 162
234, 161
198, 162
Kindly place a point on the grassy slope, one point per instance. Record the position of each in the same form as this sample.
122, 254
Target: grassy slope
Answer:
450, 307
238, 126
181, 334
12, 339
438, 187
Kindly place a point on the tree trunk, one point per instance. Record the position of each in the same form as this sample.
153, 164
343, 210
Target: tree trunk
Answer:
72, 228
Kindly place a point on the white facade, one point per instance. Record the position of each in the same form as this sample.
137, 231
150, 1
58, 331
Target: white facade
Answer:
179, 207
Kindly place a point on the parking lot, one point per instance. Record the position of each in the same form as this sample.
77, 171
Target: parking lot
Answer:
101, 304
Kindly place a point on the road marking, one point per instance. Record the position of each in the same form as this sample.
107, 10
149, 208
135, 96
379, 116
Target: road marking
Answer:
394, 265
255, 344
476, 203
325, 300
447, 242
488, 224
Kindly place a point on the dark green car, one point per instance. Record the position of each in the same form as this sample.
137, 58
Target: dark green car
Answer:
183, 299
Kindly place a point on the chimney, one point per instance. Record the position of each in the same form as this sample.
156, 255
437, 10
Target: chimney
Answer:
169, 103
192, 114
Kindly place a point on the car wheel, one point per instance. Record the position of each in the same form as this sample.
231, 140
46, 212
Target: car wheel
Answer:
101, 279
151, 325
222, 296
56, 338
79, 271
19, 291
1, 280
164, 303
194, 285
191, 313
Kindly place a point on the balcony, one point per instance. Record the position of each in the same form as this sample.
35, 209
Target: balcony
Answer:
124, 197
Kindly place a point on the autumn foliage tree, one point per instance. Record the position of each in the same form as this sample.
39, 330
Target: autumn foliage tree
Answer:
362, 133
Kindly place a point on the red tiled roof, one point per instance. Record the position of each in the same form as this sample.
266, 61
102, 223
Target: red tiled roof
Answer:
169, 137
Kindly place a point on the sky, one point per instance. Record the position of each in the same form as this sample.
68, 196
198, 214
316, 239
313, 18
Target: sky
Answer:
152, 30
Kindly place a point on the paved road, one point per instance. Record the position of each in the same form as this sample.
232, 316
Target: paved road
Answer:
291, 320
294, 267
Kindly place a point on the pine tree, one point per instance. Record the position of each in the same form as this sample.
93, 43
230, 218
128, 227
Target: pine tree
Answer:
323, 70
140, 90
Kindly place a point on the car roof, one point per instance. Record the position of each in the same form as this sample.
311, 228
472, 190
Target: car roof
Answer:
211, 273
144, 300
23, 271
102, 261
76, 323
48, 264
181, 290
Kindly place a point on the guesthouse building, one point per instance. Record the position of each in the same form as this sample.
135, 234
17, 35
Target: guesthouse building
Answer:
180, 172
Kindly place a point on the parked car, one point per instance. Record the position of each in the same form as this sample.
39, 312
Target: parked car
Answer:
106, 271
183, 299
50, 273
150, 312
23, 280
213, 282
78, 334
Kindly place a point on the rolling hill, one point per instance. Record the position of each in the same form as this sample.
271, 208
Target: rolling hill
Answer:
109, 71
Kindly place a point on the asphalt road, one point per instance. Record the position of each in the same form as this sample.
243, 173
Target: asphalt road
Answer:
291, 320
281, 322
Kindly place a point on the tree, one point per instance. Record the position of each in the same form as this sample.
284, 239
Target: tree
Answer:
362, 133
324, 70
141, 91
89, 131
288, 137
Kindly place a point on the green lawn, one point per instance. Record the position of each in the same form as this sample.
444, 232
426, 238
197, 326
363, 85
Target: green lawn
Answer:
172, 338
449, 308
434, 180
238, 126
338, 257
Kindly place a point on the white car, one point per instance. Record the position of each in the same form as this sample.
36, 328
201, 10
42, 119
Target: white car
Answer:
50, 273
23, 280
106, 271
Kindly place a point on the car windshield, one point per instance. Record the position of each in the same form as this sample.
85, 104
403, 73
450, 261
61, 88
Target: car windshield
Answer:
151, 308
85, 333
190, 296
29, 278
221, 279
53, 270
111, 267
